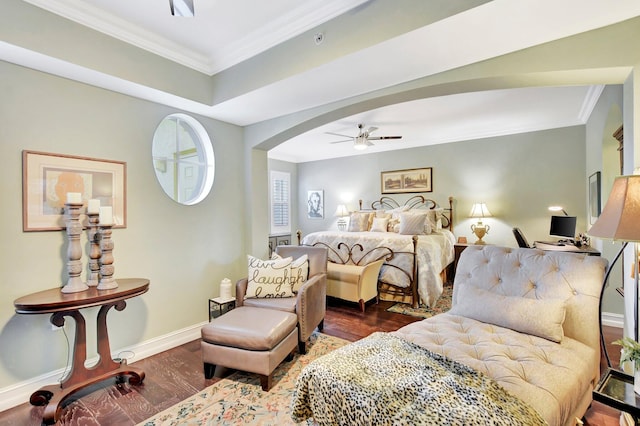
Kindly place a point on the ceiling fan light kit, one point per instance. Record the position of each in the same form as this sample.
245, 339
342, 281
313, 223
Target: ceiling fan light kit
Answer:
363, 140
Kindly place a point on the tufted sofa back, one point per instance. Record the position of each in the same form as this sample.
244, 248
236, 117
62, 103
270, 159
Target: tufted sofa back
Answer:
537, 274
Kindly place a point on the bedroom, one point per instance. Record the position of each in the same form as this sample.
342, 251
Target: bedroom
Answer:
49, 113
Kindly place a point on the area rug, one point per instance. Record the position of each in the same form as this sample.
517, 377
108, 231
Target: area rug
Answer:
442, 305
238, 399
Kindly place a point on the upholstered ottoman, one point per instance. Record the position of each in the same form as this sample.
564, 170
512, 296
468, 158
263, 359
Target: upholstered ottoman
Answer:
249, 339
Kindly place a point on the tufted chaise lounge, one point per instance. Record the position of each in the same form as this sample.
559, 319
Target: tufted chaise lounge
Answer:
529, 320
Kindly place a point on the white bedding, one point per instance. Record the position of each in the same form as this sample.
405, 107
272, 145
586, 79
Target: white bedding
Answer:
433, 253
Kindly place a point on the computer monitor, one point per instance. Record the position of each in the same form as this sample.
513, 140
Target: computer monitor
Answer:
563, 226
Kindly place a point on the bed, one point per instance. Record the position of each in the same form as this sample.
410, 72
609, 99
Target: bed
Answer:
415, 256
520, 346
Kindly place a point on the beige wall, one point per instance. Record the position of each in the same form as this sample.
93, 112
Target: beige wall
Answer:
184, 250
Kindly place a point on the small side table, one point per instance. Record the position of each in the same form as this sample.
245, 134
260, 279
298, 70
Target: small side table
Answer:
615, 389
219, 306
458, 248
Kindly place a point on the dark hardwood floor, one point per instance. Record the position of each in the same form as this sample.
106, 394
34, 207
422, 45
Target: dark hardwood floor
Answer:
176, 374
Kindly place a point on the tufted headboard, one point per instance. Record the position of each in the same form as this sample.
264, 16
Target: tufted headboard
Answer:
536, 274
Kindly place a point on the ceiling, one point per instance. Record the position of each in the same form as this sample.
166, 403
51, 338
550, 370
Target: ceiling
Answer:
226, 33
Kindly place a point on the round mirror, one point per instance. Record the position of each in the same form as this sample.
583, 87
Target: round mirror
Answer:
183, 159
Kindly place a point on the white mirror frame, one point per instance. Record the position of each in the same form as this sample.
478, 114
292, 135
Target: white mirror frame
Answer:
204, 149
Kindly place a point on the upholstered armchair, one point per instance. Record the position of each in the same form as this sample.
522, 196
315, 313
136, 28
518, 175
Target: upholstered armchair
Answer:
309, 304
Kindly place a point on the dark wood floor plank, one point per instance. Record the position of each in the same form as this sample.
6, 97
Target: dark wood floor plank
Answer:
177, 374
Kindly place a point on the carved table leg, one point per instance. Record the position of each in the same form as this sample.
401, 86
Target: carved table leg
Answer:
79, 376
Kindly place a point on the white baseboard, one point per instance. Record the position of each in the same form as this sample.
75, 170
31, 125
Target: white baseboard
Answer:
20, 393
613, 320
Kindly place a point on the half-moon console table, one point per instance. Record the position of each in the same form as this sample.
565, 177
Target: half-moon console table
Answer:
61, 304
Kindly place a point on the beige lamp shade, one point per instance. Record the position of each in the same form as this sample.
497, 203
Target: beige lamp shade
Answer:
620, 218
479, 210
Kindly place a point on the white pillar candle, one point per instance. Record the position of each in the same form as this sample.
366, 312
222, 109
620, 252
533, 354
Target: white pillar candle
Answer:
225, 289
106, 215
74, 198
93, 206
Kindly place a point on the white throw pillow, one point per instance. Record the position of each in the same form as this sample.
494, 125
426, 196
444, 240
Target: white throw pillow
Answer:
412, 224
269, 278
538, 317
379, 224
435, 218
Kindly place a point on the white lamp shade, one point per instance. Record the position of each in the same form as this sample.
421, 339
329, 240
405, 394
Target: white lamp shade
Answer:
342, 211
480, 210
620, 218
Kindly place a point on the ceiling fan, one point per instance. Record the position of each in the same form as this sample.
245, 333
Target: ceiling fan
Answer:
363, 140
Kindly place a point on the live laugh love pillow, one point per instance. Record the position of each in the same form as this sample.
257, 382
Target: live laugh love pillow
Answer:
274, 278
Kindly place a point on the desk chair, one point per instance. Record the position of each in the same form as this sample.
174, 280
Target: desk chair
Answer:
520, 238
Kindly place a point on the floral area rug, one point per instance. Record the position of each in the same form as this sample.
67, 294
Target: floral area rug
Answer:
442, 305
238, 399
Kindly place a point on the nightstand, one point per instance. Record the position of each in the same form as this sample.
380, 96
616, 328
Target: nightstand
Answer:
219, 306
458, 248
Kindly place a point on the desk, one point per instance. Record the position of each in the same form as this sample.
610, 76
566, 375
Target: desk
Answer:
59, 304
548, 246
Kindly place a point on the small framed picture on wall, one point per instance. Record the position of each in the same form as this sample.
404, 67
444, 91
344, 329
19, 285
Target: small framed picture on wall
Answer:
315, 204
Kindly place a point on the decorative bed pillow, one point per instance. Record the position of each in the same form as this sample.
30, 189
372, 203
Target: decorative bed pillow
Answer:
539, 317
383, 214
359, 221
269, 278
423, 212
395, 213
412, 224
299, 271
434, 218
379, 224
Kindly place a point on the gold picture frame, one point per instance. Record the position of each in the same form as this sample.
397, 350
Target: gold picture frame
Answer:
407, 181
47, 177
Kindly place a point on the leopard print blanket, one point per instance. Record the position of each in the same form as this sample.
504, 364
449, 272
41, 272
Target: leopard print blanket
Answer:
385, 380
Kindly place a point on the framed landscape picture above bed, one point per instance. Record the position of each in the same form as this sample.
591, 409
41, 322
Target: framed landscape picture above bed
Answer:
409, 180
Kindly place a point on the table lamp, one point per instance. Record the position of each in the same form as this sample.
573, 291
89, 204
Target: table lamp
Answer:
619, 222
480, 211
342, 212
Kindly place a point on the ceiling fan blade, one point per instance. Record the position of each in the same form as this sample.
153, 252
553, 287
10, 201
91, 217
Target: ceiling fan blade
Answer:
381, 138
368, 142
338, 134
346, 140
372, 129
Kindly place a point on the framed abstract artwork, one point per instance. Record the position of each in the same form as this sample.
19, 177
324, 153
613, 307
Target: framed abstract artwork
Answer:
47, 178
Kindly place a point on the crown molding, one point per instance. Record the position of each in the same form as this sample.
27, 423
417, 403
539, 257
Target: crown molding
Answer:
287, 26
589, 103
116, 27
300, 19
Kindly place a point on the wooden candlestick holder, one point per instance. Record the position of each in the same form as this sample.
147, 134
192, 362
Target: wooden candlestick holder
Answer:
74, 249
93, 270
106, 280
